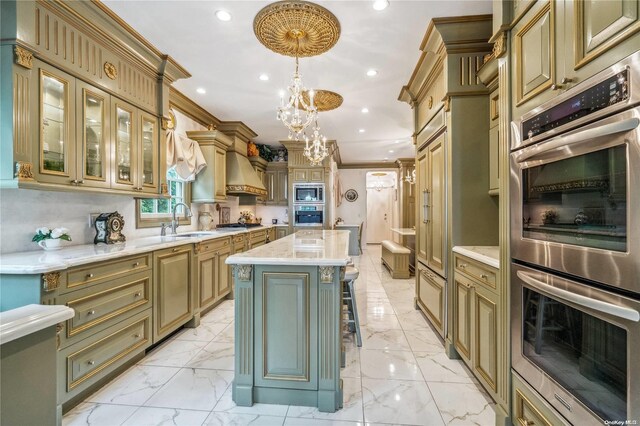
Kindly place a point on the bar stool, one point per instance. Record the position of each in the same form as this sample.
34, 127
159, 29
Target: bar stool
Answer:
349, 299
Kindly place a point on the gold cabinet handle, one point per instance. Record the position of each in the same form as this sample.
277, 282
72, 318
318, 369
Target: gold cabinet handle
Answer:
138, 294
136, 335
206, 247
175, 249
463, 266
484, 276
80, 182
74, 182
91, 312
89, 275
135, 265
566, 80
91, 362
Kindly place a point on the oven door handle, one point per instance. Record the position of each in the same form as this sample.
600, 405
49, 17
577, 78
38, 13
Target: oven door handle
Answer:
578, 138
578, 299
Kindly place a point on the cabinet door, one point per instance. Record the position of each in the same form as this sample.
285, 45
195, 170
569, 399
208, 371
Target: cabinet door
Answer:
485, 318
225, 280
148, 176
220, 181
270, 183
207, 274
316, 175
462, 316
300, 175
281, 232
431, 291
599, 34
173, 293
421, 234
282, 188
534, 39
436, 205
56, 154
94, 153
125, 145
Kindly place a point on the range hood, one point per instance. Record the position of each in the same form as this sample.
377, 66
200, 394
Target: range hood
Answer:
242, 179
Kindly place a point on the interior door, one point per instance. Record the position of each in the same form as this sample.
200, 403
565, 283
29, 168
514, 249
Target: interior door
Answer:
379, 204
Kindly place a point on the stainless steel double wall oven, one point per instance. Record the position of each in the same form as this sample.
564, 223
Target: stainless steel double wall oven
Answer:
575, 246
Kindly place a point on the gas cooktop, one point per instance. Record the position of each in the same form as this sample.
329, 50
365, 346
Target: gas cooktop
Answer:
238, 225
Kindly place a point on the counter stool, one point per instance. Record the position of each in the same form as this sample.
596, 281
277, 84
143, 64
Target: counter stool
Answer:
349, 299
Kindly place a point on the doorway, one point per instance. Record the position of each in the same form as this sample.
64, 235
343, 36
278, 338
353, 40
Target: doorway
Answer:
382, 201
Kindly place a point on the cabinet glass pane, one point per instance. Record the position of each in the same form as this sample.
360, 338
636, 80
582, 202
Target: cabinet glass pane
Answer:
123, 144
54, 95
94, 135
148, 142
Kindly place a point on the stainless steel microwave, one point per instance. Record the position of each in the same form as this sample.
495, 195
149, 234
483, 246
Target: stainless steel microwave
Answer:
308, 193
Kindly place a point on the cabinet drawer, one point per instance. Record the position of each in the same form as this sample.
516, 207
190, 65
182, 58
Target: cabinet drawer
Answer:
96, 357
212, 245
105, 304
95, 272
431, 291
528, 408
477, 271
239, 241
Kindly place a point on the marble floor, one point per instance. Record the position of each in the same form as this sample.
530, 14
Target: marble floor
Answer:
399, 376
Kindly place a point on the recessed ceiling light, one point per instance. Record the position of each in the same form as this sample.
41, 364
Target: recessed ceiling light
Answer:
223, 15
372, 73
380, 4
201, 90
264, 77
386, 158
365, 110
397, 141
390, 151
361, 130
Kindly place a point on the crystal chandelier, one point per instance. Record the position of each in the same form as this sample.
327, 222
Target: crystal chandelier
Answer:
296, 114
316, 151
411, 178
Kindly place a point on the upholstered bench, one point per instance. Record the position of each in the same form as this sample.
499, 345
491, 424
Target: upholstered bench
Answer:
396, 258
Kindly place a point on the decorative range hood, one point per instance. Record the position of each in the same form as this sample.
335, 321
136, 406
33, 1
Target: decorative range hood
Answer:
242, 179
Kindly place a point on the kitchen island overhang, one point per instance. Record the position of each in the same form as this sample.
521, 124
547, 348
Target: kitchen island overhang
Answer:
288, 304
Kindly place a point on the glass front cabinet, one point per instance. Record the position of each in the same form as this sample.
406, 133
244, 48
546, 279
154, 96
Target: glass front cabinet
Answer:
88, 138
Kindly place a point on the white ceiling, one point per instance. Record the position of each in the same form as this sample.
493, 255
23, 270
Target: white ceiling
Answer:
225, 59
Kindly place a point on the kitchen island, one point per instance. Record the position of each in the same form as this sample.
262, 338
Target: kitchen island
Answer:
288, 342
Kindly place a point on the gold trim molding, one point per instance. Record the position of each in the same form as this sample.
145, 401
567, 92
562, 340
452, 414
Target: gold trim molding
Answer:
326, 274
296, 28
51, 281
324, 100
24, 170
246, 188
23, 57
447, 103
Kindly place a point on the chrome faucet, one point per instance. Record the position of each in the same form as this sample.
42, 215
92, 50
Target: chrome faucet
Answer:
174, 221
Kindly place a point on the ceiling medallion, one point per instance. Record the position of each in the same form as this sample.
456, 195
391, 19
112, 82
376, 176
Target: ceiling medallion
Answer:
324, 100
296, 28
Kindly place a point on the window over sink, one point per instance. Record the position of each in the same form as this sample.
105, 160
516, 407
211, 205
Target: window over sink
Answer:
152, 212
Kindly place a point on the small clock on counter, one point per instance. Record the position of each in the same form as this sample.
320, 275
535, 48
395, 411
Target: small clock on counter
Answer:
109, 228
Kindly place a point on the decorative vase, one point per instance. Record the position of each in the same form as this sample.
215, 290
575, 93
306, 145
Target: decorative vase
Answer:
50, 244
205, 220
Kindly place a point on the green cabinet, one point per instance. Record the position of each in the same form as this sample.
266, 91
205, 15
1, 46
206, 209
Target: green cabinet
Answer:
560, 43
90, 139
430, 297
173, 299
213, 275
315, 175
276, 180
476, 319
282, 231
211, 184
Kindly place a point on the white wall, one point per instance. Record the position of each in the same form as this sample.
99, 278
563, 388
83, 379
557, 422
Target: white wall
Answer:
354, 212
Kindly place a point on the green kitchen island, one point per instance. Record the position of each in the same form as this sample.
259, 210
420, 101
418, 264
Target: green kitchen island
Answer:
288, 339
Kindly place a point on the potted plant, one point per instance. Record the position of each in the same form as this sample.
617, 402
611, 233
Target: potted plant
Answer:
49, 239
549, 217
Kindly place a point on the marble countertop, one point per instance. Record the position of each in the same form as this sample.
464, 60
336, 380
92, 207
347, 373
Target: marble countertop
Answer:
312, 248
404, 231
489, 255
41, 262
25, 320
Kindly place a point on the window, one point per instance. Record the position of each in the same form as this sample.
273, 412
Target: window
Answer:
152, 212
